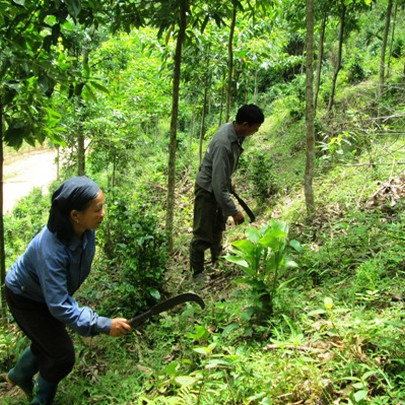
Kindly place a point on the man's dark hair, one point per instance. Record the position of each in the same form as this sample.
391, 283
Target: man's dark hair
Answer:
250, 113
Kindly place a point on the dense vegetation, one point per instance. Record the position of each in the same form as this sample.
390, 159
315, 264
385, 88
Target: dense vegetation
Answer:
301, 310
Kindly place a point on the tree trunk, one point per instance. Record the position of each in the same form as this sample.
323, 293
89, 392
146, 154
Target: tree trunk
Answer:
2, 247
190, 138
81, 157
173, 124
319, 62
256, 88
230, 65
384, 48
202, 129
57, 162
310, 112
339, 59
394, 23
221, 105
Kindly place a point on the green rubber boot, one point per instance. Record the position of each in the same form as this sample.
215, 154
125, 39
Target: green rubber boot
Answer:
23, 372
45, 392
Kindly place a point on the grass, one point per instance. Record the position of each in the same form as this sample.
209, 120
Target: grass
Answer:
349, 351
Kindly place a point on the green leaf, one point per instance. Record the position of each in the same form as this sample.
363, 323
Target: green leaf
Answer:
237, 260
99, 86
200, 332
88, 93
253, 234
171, 368
291, 263
155, 294
74, 7
185, 381
218, 363
203, 350
244, 245
15, 134
19, 2
231, 327
248, 313
296, 245
9, 95
360, 395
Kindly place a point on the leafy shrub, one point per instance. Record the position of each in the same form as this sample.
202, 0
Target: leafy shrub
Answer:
356, 72
368, 275
262, 175
26, 220
264, 257
134, 244
397, 49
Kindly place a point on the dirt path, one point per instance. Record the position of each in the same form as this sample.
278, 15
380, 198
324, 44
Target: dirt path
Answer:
25, 172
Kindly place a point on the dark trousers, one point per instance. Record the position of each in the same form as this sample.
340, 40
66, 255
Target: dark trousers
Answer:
50, 341
208, 225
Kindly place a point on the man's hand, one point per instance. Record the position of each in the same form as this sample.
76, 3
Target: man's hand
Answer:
238, 218
119, 327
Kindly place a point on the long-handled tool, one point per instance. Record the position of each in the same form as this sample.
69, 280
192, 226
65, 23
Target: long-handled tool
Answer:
248, 211
165, 306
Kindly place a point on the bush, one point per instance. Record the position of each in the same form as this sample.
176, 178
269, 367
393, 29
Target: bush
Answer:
134, 244
260, 172
25, 221
356, 72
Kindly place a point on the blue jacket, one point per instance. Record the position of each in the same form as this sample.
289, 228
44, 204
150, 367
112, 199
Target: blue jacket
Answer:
50, 272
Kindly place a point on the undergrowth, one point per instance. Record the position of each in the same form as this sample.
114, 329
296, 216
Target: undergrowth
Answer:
335, 334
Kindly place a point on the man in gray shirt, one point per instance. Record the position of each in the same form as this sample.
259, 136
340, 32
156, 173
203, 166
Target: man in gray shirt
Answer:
213, 203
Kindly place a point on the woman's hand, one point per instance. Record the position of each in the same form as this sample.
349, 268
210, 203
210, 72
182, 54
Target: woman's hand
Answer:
119, 327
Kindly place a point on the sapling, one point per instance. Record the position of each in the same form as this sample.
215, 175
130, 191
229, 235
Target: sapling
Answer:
265, 259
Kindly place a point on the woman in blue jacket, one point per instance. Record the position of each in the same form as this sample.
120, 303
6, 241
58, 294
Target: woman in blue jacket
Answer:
40, 285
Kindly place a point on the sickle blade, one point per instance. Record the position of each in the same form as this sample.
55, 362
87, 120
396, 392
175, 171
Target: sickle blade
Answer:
166, 305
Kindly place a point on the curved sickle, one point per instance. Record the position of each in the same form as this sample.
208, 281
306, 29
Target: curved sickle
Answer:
166, 305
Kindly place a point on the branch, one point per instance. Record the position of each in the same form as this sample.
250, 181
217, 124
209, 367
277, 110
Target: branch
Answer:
290, 347
372, 164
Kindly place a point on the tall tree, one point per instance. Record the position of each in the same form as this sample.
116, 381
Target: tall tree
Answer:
310, 111
320, 58
184, 6
392, 39
169, 16
339, 55
230, 61
384, 48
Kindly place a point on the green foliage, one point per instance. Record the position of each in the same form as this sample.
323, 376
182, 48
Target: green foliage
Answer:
334, 149
263, 256
135, 245
259, 170
351, 352
356, 71
24, 222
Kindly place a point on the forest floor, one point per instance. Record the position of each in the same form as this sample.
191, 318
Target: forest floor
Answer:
26, 171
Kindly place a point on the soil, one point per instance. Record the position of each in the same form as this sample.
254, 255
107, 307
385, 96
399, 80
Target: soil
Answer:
26, 171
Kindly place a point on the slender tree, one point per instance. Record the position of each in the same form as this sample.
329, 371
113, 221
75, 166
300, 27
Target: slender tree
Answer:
310, 111
230, 62
392, 39
339, 56
384, 48
184, 6
320, 58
